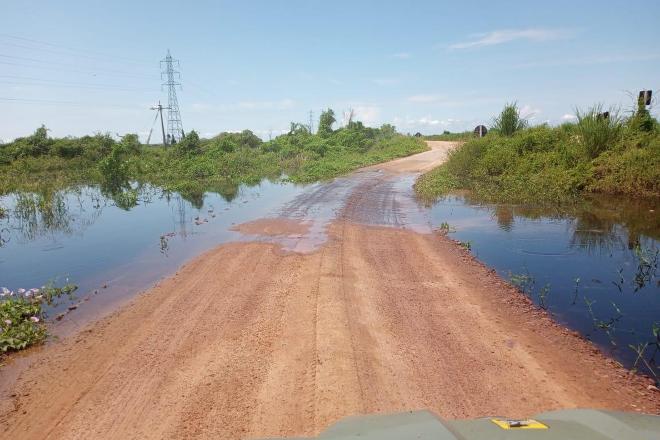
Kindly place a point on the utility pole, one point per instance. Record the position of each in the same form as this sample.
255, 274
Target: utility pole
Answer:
171, 76
311, 122
160, 108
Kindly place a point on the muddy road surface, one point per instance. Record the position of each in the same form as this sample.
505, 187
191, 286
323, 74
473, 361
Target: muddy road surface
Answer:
345, 303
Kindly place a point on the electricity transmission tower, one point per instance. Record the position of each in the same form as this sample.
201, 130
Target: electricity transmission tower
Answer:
172, 76
311, 122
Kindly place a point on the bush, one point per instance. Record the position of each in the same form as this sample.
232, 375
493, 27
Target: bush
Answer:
189, 145
509, 121
326, 120
552, 165
596, 131
228, 142
114, 167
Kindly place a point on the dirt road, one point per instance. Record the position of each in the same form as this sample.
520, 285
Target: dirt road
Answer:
377, 315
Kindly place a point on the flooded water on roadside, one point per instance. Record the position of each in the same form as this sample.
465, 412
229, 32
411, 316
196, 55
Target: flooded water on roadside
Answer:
111, 252
593, 266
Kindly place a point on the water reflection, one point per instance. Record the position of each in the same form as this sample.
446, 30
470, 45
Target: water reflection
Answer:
592, 264
28, 216
120, 240
598, 223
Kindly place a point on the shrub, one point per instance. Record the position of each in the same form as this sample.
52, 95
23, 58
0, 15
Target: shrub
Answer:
189, 145
596, 131
131, 143
114, 167
326, 120
509, 121
553, 165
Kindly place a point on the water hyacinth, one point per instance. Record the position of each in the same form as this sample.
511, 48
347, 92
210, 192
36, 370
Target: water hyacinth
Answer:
22, 314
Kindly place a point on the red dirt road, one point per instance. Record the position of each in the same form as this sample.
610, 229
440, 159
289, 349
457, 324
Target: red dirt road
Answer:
250, 341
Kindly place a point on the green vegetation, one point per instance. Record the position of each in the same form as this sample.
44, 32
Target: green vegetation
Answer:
39, 163
40, 171
509, 121
550, 165
22, 315
449, 136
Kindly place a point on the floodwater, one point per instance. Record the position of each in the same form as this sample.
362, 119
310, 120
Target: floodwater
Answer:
110, 251
592, 266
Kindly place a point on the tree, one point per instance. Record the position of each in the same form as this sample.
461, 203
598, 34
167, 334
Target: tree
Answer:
38, 143
189, 144
131, 142
387, 130
325, 123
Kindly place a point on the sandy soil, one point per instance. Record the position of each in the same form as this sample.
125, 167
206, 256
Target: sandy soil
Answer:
250, 341
273, 227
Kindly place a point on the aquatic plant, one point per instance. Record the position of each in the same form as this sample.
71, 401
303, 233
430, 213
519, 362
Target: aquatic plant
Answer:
446, 229
648, 360
576, 290
647, 266
523, 281
22, 315
467, 245
609, 326
543, 294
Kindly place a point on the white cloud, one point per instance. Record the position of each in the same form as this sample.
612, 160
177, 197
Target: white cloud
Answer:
425, 122
509, 35
585, 61
568, 117
401, 55
529, 112
368, 114
425, 98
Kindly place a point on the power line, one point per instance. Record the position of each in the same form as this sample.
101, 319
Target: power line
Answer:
95, 72
74, 86
58, 102
66, 83
81, 53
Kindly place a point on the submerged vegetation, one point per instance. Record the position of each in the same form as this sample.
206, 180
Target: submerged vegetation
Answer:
601, 152
193, 166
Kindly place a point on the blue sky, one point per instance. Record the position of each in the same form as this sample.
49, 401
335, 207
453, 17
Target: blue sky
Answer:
87, 66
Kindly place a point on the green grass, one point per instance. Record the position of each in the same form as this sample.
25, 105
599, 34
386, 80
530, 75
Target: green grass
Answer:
448, 136
552, 165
